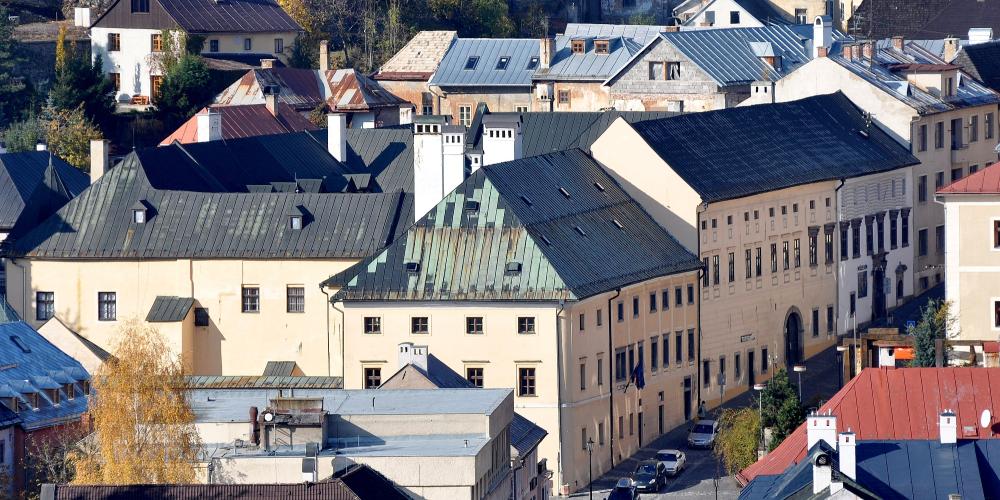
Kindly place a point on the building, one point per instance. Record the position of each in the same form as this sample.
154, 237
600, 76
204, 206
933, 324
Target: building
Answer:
37, 43
442, 443
972, 240
982, 62
914, 430
759, 206
407, 73
221, 244
214, 123
494, 71
129, 37
924, 20
946, 118
547, 265
728, 14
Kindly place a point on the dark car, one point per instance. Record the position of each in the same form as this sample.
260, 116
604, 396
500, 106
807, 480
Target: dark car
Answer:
649, 476
624, 490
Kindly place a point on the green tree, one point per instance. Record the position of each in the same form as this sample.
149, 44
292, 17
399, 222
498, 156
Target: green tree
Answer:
24, 135
14, 92
936, 322
644, 19
185, 89
82, 82
739, 435
781, 410
68, 133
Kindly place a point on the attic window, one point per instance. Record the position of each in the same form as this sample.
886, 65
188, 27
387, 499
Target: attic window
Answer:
599, 186
578, 46
503, 62
20, 344
564, 192
526, 200
513, 267
295, 222
617, 224
601, 46
580, 230
471, 206
413, 267
139, 216
532, 63
471, 62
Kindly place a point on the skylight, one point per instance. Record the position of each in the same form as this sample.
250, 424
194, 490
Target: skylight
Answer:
20, 344
503, 62
472, 62
564, 192
526, 200
580, 230
532, 64
599, 186
617, 224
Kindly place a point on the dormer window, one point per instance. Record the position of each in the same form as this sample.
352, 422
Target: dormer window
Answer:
295, 222
602, 46
471, 62
513, 268
578, 46
503, 62
139, 216
53, 395
413, 267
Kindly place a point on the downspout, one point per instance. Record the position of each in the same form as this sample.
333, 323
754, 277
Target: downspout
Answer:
836, 262
611, 369
559, 384
697, 371
329, 361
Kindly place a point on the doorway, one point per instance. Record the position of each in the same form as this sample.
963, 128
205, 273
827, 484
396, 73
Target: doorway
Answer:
878, 293
659, 414
751, 375
793, 332
687, 398
640, 429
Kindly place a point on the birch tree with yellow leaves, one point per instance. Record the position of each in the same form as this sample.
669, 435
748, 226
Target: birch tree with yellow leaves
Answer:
143, 426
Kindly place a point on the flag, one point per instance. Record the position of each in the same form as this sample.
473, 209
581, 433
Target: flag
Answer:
636, 376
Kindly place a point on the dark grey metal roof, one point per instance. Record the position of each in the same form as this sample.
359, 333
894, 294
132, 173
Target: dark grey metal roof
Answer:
27, 180
567, 247
452, 73
982, 61
279, 368
743, 151
169, 309
230, 16
262, 382
525, 435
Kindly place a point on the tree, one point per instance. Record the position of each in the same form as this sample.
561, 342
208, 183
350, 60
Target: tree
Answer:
82, 82
51, 457
739, 435
186, 88
143, 426
936, 323
24, 135
15, 95
780, 407
68, 133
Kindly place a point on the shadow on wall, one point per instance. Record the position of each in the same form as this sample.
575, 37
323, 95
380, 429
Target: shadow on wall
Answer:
207, 348
686, 234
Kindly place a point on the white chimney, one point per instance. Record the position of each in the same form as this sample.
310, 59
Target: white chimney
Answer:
821, 427
41, 147
951, 45
209, 125
336, 136
822, 34
420, 357
546, 49
428, 163
324, 55
948, 427
980, 35
98, 159
271, 103
81, 16
404, 355
847, 454
453, 161
822, 471
501, 139
406, 115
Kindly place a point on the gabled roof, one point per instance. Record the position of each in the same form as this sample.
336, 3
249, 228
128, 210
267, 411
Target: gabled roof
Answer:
280, 369
228, 16
896, 404
624, 42
419, 58
301, 89
245, 121
350, 90
169, 309
484, 73
985, 181
925, 19
35, 184
731, 153
523, 239
7, 313
982, 62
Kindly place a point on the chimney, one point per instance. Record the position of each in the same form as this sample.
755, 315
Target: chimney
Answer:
501, 139
420, 357
324, 55
270, 100
98, 159
821, 427
856, 52
41, 147
951, 45
822, 466
546, 49
671, 29
847, 454
267, 63
404, 355
866, 50
948, 427
453, 158
980, 35
209, 125
428, 163
81, 16
336, 136
897, 43
822, 34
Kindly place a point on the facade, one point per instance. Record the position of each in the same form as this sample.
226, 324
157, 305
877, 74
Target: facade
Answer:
952, 135
407, 73
728, 14
972, 238
562, 325
761, 222
129, 37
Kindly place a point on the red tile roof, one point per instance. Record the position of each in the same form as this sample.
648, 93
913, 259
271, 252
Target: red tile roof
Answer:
985, 181
896, 404
246, 120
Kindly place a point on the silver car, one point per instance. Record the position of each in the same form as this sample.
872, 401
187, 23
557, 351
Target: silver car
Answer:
673, 461
702, 435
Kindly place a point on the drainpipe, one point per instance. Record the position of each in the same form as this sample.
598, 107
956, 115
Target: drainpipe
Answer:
836, 261
697, 230
559, 384
611, 369
329, 362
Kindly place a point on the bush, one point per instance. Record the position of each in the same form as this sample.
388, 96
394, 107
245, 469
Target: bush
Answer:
739, 435
24, 135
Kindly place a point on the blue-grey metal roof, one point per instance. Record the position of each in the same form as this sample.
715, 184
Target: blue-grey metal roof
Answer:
452, 73
29, 364
625, 41
982, 61
29, 180
8, 417
564, 247
743, 151
261, 382
166, 309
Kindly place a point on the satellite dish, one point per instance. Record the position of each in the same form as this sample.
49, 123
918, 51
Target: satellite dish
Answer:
268, 416
986, 419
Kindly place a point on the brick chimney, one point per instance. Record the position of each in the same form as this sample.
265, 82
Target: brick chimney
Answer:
271, 99
866, 50
897, 43
546, 49
951, 45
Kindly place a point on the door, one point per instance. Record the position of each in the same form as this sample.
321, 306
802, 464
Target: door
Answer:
878, 293
659, 414
640, 429
751, 375
792, 332
687, 398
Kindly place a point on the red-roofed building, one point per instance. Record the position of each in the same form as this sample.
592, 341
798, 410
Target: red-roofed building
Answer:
232, 122
972, 252
897, 404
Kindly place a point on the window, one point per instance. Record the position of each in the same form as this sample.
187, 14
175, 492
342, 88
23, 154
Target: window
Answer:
154, 86
748, 257
502, 63
734, 17
583, 438
465, 115
114, 42
774, 257
690, 294
107, 306
801, 17
815, 322
600, 317
813, 251
621, 370
621, 311
996, 234
922, 188
621, 427
419, 325
673, 71
706, 375
652, 302
956, 174
722, 369
474, 325
520, 109
757, 266
563, 97
829, 319
373, 325
763, 359
869, 236
666, 350
581, 322
922, 138
279, 45
525, 381
922, 242
373, 378
893, 230
532, 63
116, 81
583, 375
156, 41
956, 134
828, 245
600, 433
856, 239
737, 366
600, 370
732, 267
715, 270
426, 103
705, 276
862, 284
654, 354
635, 307
140, 6
904, 231
989, 126
296, 299
578, 46
213, 45
601, 46
201, 317
251, 299
471, 62
796, 253
938, 135
678, 296
843, 241
939, 239
665, 299
678, 347
973, 169
656, 71
691, 345
475, 376
526, 325
974, 128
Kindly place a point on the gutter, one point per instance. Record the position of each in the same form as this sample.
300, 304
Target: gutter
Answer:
611, 369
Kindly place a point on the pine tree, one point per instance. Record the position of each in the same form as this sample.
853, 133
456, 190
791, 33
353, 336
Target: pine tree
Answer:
936, 323
13, 97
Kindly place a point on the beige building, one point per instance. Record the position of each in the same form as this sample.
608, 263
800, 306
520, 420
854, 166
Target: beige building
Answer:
972, 243
540, 274
946, 118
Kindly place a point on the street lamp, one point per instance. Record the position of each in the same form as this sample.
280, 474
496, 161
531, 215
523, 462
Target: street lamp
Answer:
799, 369
841, 349
590, 459
760, 410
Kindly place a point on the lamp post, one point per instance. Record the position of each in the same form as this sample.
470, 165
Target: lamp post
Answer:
590, 462
799, 369
841, 349
760, 411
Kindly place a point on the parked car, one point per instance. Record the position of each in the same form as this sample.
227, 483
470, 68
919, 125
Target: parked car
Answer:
673, 461
624, 490
649, 476
702, 435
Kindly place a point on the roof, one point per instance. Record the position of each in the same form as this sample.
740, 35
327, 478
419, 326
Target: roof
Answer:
761, 10
301, 89
238, 61
889, 75
31, 364
624, 42
419, 58
38, 181
7, 313
896, 404
262, 382
727, 154
452, 71
279, 368
926, 19
8, 417
560, 247
169, 309
364, 480
48, 31
244, 121
985, 181
350, 90
230, 16
982, 62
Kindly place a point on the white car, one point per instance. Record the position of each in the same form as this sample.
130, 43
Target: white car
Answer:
703, 434
673, 461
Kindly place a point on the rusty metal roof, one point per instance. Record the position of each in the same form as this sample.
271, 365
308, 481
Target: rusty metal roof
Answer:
352, 91
308, 89
245, 120
985, 181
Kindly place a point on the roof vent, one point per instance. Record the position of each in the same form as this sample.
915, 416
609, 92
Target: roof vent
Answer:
599, 186
20, 344
546, 240
471, 206
580, 230
513, 267
413, 267
526, 200
564, 192
617, 224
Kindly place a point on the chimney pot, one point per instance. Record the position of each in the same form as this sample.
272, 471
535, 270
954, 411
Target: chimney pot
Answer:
336, 136
98, 159
948, 427
209, 125
822, 34
847, 453
324, 55
897, 43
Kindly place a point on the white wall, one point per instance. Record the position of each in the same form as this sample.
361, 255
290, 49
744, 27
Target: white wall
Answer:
134, 61
722, 9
